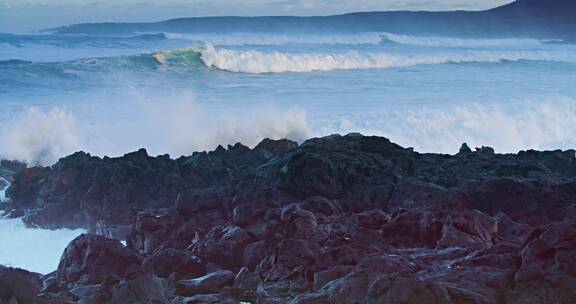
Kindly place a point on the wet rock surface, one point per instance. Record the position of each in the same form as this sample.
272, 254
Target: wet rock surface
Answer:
339, 219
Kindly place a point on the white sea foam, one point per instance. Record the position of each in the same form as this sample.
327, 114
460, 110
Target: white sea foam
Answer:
459, 42
241, 39
257, 62
519, 125
36, 250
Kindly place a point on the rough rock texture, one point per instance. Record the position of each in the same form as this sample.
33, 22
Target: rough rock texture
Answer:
91, 259
18, 286
339, 219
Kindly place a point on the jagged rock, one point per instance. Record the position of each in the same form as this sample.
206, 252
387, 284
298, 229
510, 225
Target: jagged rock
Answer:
91, 259
373, 219
244, 214
253, 254
153, 231
142, 289
193, 200
205, 299
324, 277
465, 149
223, 245
339, 219
548, 264
246, 280
277, 147
210, 283
171, 261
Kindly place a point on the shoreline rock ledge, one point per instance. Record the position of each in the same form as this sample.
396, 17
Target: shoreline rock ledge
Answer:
337, 219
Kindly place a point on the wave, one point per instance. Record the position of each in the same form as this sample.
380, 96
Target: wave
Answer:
560, 41
146, 37
14, 62
369, 38
243, 39
260, 62
458, 42
256, 62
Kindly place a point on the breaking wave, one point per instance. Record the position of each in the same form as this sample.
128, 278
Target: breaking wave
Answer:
259, 62
256, 62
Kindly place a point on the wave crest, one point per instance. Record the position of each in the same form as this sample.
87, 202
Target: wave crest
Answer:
256, 62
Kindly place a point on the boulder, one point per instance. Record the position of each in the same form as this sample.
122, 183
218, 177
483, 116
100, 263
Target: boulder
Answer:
90, 259
169, 261
143, 289
19, 286
223, 245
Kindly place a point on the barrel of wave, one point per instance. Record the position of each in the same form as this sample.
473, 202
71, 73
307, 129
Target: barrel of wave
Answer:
37, 250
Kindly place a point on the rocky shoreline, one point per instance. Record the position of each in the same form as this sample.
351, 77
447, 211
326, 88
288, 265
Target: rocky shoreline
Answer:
339, 219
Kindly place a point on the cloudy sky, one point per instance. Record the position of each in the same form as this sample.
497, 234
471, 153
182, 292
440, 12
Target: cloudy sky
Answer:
25, 15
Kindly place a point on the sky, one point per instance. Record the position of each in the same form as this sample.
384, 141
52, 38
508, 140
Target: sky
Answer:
29, 15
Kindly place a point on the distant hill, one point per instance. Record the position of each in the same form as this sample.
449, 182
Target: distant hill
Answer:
540, 18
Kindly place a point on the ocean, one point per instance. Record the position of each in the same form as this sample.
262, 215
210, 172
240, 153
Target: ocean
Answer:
178, 93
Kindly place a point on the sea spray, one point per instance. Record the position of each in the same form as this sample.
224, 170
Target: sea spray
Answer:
179, 126
39, 137
509, 128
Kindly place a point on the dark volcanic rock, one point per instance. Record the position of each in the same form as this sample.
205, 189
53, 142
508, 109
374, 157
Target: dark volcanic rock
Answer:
142, 289
19, 286
210, 283
171, 261
91, 259
339, 219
